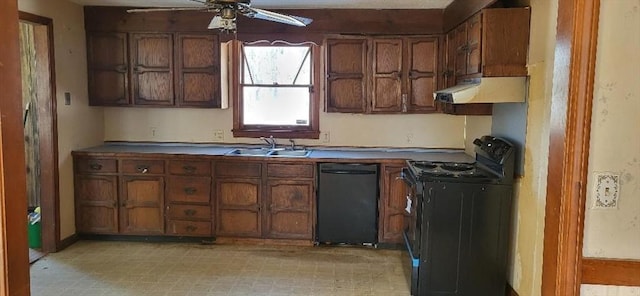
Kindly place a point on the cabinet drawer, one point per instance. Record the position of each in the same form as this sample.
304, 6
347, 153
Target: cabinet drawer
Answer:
189, 212
238, 169
143, 166
189, 189
188, 228
290, 170
96, 165
190, 167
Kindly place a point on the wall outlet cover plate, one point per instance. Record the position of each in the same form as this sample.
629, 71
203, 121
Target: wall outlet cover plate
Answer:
606, 190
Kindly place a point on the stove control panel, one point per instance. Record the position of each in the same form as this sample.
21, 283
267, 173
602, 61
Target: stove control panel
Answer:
494, 148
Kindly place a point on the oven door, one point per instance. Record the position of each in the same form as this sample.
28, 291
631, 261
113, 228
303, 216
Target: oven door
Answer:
413, 222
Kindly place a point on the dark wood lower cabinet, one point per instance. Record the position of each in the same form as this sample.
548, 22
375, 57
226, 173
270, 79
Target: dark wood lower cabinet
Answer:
238, 204
142, 205
290, 208
393, 200
96, 204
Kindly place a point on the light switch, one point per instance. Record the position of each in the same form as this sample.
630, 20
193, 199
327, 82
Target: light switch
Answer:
606, 190
67, 98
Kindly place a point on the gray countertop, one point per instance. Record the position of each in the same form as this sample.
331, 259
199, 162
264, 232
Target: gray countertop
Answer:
320, 153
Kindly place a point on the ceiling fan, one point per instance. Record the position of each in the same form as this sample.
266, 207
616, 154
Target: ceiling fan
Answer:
227, 10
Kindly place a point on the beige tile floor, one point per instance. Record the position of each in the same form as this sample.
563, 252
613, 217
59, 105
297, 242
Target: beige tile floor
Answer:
135, 268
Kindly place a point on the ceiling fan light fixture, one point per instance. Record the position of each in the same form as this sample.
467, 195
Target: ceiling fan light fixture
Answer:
225, 25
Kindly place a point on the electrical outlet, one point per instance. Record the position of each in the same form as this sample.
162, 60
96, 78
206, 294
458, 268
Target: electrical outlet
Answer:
325, 137
409, 138
606, 190
218, 135
153, 131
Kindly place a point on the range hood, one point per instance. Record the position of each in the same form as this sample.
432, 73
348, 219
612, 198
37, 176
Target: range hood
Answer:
485, 90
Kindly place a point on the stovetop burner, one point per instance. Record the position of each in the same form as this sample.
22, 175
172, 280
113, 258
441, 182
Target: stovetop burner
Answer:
447, 170
457, 167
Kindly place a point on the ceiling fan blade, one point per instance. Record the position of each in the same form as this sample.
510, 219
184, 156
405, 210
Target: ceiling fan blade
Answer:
277, 17
199, 1
165, 9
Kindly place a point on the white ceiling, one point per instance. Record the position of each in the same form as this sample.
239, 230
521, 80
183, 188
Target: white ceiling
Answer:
302, 4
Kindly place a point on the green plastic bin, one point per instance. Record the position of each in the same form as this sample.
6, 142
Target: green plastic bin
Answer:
34, 233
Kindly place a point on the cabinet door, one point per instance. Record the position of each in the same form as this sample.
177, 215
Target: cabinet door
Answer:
152, 73
461, 50
107, 64
238, 207
450, 74
474, 33
421, 73
346, 85
141, 205
387, 67
96, 204
198, 70
392, 205
290, 208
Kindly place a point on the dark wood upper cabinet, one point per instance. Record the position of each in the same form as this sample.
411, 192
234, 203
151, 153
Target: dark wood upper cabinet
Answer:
387, 74
449, 59
152, 69
108, 68
197, 70
394, 74
421, 74
492, 43
346, 84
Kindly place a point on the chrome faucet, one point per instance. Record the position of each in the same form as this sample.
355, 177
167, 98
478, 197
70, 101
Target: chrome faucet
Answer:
293, 144
270, 141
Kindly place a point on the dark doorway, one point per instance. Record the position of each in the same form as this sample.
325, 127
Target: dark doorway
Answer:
40, 124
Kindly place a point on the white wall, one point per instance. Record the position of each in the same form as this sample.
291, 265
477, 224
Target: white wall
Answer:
197, 125
525, 274
615, 139
78, 124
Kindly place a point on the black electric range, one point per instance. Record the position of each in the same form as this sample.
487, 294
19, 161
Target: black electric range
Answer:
457, 221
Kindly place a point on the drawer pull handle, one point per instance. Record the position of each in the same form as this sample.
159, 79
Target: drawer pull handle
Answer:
191, 228
143, 169
189, 169
190, 212
190, 190
95, 166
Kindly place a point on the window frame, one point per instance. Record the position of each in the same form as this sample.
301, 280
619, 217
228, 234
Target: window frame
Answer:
312, 131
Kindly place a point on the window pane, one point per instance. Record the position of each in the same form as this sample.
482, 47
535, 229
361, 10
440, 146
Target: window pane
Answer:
277, 64
276, 105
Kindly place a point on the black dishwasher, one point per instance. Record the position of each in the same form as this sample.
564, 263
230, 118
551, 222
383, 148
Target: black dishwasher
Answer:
347, 203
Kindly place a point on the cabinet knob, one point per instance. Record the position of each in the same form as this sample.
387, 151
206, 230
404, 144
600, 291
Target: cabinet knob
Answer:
121, 68
189, 169
191, 228
190, 190
190, 212
95, 166
143, 169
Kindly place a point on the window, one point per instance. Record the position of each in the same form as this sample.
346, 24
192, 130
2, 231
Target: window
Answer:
277, 91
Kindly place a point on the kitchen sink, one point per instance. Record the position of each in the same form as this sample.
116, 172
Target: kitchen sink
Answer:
249, 152
290, 153
269, 152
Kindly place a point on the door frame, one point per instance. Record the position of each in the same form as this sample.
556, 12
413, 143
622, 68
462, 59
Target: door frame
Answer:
569, 142
48, 136
14, 252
